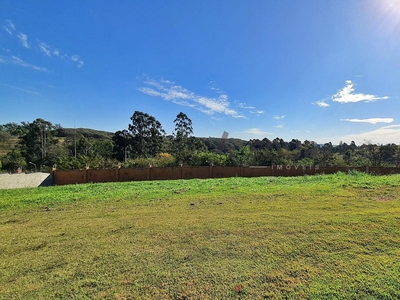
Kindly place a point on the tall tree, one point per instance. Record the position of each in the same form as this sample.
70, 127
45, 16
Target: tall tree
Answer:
183, 130
147, 134
37, 141
122, 142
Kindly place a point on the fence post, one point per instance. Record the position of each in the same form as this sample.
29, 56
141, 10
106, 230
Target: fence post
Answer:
367, 169
272, 170
85, 175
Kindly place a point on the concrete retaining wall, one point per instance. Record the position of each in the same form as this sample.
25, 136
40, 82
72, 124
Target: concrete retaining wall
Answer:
15, 181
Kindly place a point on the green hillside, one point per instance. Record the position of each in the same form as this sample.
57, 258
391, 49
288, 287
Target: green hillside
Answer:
85, 132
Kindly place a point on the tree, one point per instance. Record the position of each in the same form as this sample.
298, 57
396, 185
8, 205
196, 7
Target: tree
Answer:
13, 160
84, 146
5, 137
183, 129
325, 156
240, 157
294, 144
122, 142
147, 134
37, 140
14, 129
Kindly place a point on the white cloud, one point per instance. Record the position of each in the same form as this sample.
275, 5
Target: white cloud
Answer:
167, 90
257, 112
13, 60
370, 120
279, 126
8, 30
41, 46
243, 105
391, 126
45, 49
384, 135
24, 40
212, 87
76, 58
21, 89
11, 24
278, 117
346, 95
256, 131
251, 109
9, 27
321, 103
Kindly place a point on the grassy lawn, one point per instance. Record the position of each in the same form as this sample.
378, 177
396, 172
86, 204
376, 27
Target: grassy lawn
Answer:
321, 237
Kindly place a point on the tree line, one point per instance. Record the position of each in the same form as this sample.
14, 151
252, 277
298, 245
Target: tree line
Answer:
41, 145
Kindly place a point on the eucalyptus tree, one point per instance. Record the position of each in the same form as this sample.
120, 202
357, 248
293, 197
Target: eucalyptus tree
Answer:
37, 141
122, 144
183, 130
147, 135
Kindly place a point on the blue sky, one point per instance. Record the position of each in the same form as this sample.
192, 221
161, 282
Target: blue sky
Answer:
311, 69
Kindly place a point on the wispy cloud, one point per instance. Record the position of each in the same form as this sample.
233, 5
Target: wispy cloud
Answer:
13, 60
279, 126
370, 120
49, 51
257, 112
278, 117
9, 27
24, 40
169, 91
251, 109
391, 126
346, 95
321, 103
244, 105
21, 89
39, 46
383, 135
45, 49
76, 59
257, 131
212, 86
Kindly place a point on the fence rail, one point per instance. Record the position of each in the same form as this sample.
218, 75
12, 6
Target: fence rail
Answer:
170, 173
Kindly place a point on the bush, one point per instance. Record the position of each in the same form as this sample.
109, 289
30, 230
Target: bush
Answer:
162, 160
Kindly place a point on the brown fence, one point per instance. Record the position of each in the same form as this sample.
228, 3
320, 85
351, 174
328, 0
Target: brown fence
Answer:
115, 175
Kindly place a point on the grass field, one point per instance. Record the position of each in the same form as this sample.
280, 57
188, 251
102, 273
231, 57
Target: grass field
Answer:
312, 237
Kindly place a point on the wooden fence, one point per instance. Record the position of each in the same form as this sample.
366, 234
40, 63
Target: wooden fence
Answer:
170, 173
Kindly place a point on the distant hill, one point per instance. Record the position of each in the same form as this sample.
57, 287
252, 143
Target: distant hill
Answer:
84, 132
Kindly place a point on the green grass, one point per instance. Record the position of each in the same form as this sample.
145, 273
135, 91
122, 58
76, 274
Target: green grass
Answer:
313, 237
